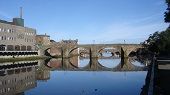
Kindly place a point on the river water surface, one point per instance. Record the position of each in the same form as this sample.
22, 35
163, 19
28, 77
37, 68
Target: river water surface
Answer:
72, 77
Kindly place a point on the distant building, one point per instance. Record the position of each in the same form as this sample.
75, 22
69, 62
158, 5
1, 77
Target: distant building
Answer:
43, 39
15, 37
69, 41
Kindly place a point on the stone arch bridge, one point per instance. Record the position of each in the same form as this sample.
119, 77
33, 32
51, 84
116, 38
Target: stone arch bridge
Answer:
93, 49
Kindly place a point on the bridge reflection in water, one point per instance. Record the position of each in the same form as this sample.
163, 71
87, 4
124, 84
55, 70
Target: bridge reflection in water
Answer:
93, 65
18, 77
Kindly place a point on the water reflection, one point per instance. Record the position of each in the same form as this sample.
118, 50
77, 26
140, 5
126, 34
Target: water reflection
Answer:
107, 54
109, 63
61, 76
17, 77
42, 71
83, 62
55, 63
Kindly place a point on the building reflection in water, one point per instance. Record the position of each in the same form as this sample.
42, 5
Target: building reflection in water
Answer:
42, 71
15, 78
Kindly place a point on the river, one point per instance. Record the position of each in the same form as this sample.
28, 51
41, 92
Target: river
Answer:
72, 76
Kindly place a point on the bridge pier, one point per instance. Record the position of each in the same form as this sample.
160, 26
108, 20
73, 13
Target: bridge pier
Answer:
124, 57
94, 63
124, 62
93, 52
66, 64
124, 53
65, 52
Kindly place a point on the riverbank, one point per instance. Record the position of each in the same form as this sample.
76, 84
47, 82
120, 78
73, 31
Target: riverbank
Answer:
22, 58
163, 76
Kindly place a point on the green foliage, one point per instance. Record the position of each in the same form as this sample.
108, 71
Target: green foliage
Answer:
167, 13
159, 42
167, 1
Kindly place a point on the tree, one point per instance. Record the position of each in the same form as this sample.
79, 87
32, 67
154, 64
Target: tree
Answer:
167, 13
159, 42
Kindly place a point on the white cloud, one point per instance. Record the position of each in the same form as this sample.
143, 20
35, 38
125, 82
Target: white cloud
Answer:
134, 30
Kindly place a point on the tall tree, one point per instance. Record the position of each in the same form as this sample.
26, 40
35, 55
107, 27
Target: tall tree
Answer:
167, 13
159, 42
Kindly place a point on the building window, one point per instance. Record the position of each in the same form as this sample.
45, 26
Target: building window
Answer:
10, 47
0, 82
8, 30
2, 47
23, 48
12, 31
29, 48
4, 30
4, 37
17, 48
8, 38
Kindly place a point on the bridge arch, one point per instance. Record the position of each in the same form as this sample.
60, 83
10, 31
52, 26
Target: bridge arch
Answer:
81, 51
55, 51
133, 51
78, 66
114, 51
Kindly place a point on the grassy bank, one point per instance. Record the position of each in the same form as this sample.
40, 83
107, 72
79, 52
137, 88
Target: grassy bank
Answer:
22, 59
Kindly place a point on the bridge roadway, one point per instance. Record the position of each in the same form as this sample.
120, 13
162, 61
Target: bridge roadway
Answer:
107, 45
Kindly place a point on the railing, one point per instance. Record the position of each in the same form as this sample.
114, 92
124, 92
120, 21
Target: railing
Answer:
149, 87
152, 77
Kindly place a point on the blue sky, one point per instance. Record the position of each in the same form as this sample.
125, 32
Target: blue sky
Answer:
90, 21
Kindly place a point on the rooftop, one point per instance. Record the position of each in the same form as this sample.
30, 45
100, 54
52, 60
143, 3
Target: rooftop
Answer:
43, 35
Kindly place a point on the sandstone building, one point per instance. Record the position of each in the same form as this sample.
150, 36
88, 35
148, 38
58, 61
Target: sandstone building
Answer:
14, 36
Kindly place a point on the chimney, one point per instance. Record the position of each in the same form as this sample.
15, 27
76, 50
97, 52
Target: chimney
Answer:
20, 12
